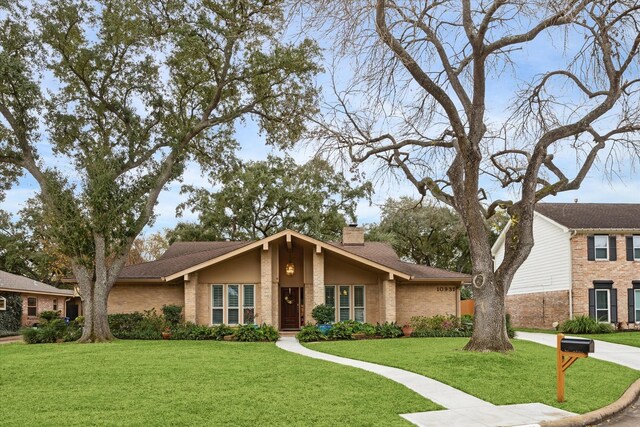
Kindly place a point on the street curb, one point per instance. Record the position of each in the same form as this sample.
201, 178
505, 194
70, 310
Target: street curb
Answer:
593, 417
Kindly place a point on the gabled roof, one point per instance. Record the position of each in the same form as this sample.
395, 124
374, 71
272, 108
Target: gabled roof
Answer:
186, 257
383, 253
593, 216
14, 283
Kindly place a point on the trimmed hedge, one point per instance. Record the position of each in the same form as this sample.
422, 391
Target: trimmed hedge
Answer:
52, 329
585, 325
345, 331
448, 326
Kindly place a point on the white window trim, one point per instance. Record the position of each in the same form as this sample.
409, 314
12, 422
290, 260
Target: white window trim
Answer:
352, 312
636, 304
608, 292
635, 245
3, 304
595, 248
225, 303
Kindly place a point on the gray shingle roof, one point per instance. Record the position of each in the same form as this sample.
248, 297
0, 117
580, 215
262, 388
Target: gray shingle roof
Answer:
593, 216
13, 282
183, 255
178, 257
383, 253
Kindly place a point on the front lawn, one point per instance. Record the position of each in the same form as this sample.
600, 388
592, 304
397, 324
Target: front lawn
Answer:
191, 383
526, 375
626, 338
631, 338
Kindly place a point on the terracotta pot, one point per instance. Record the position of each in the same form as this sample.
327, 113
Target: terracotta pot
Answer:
166, 335
359, 336
407, 330
228, 338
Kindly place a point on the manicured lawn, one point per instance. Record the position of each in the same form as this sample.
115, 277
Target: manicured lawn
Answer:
526, 375
626, 338
191, 383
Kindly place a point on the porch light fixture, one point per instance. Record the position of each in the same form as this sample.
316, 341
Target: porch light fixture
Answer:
289, 269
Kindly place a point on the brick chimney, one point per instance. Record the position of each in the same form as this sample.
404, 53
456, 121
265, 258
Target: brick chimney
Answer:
353, 235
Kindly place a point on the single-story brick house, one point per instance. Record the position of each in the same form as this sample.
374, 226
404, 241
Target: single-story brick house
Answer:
279, 279
37, 297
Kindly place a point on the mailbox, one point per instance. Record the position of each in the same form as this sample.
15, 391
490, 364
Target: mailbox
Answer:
577, 345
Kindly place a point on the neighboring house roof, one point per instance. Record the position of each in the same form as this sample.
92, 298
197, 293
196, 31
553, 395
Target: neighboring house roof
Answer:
184, 257
593, 216
14, 283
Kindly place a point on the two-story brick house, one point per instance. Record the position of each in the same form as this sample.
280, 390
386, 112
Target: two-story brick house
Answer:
586, 261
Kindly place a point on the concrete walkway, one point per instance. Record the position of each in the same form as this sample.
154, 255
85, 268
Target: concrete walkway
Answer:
624, 355
11, 339
463, 409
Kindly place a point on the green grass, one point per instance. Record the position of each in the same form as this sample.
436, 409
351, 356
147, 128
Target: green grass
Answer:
626, 338
631, 338
191, 383
539, 331
526, 375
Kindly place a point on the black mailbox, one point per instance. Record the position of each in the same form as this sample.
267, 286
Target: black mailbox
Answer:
577, 345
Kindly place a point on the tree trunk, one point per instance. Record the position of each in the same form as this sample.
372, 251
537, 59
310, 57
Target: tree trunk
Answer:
490, 329
94, 295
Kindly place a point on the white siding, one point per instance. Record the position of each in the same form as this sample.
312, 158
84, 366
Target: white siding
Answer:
548, 267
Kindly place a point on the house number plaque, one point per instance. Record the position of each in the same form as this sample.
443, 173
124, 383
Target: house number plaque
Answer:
446, 288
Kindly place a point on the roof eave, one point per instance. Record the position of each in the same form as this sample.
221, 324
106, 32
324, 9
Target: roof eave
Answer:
37, 292
284, 233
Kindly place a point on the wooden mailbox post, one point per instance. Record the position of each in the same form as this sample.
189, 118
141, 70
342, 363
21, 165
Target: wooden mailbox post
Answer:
568, 351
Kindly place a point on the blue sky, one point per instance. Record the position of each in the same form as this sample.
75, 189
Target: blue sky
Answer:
602, 184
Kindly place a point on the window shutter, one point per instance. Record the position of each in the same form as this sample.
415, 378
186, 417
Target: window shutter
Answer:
613, 253
591, 249
629, 248
614, 305
632, 311
592, 303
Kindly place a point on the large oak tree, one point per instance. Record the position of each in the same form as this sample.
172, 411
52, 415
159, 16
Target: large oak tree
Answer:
259, 199
419, 105
104, 102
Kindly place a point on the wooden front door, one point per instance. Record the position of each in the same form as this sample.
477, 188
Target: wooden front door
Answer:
289, 308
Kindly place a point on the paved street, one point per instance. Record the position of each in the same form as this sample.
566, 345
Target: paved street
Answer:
629, 418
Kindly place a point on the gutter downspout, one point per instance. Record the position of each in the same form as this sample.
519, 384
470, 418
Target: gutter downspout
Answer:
573, 233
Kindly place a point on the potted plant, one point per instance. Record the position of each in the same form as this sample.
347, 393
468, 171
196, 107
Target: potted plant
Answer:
323, 314
166, 333
407, 330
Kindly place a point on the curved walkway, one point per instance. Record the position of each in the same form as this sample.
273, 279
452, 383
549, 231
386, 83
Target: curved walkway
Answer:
462, 408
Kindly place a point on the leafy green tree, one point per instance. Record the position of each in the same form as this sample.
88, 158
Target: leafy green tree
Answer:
428, 234
262, 198
424, 233
135, 89
26, 249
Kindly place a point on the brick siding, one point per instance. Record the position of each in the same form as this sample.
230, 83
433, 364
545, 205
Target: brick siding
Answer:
584, 272
424, 300
538, 310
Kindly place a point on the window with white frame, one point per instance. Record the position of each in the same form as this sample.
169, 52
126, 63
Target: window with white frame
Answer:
636, 247
232, 304
636, 294
350, 301
3, 303
601, 244
602, 305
